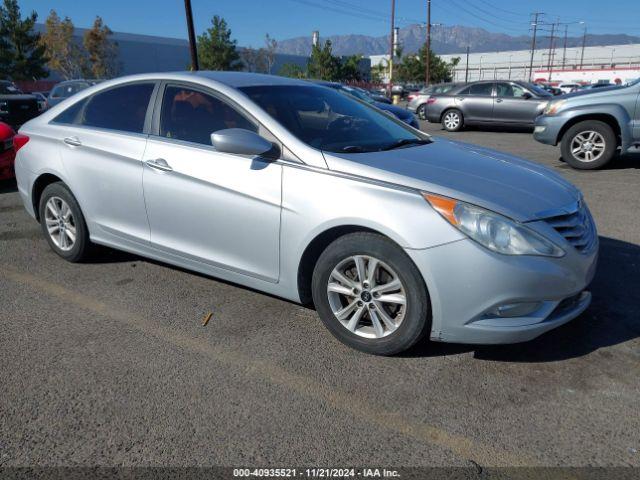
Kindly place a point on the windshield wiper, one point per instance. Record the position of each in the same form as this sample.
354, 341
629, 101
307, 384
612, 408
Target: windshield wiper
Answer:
405, 142
353, 149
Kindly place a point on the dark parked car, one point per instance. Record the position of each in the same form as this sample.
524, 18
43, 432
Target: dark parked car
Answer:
16, 107
64, 90
591, 125
399, 112
493, 102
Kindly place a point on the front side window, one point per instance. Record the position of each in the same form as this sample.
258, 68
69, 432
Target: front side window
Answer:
192, 115
510, 90
328, 120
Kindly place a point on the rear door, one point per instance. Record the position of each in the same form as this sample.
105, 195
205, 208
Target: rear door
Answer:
476, 102
514, 104
102, 141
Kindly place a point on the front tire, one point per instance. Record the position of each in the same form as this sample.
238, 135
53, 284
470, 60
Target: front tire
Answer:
370, 295
63, 224
452, 120
588, 145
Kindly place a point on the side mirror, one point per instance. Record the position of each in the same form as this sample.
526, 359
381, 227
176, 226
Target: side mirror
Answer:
243, 142
527, 95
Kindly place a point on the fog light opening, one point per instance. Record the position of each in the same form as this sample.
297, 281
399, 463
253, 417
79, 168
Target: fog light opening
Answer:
510, 310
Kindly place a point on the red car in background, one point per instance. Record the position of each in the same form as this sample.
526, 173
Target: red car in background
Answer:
9, 140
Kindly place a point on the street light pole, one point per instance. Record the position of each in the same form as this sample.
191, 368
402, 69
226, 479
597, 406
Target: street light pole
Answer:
391, 46
193, 49
551, 48
466, 70
428, 45
564, 48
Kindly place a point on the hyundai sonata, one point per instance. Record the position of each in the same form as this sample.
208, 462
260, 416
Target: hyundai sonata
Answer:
299, 191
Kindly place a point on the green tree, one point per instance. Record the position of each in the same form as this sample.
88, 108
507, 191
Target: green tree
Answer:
254, 60
64, 54
350, 68
412, 68
102, 52
292, 70
216, 49
22, 56
322, 64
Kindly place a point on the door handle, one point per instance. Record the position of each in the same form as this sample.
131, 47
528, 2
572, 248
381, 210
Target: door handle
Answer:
159, 164
498, 100
72, 141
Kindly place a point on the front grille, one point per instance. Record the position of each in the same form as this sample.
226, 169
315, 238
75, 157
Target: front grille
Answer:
577, 228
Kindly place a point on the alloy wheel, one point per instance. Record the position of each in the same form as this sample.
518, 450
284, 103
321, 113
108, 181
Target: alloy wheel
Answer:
451, 120
588, 146
60, 223
367, 296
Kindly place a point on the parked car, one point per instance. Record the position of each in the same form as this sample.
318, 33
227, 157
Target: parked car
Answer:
302, 192
551, 89
64, 90
592, 125
593, 86
399, 112
418, 102
505, 103
8, 143
42, 100
16, 107
569, 87
378, 97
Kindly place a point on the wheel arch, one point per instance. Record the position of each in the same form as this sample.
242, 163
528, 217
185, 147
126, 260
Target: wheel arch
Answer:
448, 109
607, 118
42, 182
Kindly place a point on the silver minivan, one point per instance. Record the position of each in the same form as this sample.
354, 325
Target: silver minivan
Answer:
299, 191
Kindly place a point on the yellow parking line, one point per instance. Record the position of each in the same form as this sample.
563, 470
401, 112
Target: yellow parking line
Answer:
464, 447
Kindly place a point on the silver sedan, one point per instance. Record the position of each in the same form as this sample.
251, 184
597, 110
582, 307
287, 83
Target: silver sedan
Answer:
298, 191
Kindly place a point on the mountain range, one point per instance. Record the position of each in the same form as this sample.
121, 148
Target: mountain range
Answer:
444, 39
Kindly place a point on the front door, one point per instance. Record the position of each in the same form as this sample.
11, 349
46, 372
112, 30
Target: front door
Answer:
216, 208
514, 104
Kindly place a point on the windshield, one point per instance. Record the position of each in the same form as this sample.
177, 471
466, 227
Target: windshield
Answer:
541, 92
8, 88
328, 120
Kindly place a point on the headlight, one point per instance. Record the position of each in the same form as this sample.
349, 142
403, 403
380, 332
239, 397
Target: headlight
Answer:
4, 107
491, 230
553, 107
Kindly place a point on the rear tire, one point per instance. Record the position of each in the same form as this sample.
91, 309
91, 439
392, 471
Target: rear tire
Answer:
422, 111
588, 145
63, 224
452, 120
390, 304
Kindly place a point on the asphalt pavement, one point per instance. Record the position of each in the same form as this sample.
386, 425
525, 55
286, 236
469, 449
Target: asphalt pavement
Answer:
108, 363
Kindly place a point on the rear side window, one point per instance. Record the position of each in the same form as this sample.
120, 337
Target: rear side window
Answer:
120, 108
192, 115
482, 89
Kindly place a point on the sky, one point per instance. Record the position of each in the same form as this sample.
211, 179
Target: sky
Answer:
250, 20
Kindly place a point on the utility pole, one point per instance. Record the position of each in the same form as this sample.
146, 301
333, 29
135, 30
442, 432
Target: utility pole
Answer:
193, 49
564, 49
428, 45
584, 42
533, 42
391, 45
466, 71
551, 50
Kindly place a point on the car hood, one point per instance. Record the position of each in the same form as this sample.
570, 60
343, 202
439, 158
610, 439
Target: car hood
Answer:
592, 91
397, 111
509, 185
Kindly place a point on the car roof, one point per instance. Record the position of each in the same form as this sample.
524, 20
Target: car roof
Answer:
247, 79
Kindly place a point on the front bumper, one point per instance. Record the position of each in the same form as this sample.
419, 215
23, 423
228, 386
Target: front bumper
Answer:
547, 129
467, 282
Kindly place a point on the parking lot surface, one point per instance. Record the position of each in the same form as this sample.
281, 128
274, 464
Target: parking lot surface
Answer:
107, 363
